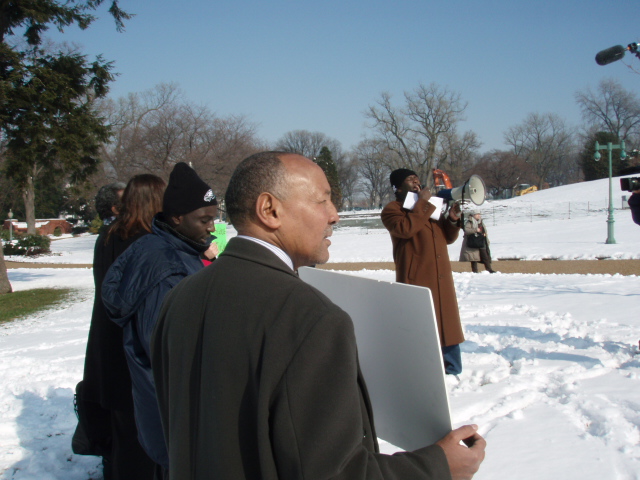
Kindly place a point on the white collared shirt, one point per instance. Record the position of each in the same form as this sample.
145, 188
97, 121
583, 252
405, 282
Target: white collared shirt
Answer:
276, 250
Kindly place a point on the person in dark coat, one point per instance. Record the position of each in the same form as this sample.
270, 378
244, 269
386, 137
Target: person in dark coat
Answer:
257, 372
139, 279
634, 205
106, 379
421, 257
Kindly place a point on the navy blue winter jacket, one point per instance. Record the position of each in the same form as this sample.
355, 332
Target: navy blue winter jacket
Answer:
132, 292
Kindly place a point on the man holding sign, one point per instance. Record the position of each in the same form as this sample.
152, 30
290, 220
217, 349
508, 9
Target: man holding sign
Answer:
257, 372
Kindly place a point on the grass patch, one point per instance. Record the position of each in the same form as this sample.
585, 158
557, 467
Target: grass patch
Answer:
27, 302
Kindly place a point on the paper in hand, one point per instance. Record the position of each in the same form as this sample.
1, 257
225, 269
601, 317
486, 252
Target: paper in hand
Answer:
412, 197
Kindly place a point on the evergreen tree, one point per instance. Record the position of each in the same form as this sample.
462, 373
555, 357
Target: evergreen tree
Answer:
51, 126
48, 124
593, 169
328, 166
47, 118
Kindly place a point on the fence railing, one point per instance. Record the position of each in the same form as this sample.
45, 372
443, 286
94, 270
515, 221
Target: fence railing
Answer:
497, 213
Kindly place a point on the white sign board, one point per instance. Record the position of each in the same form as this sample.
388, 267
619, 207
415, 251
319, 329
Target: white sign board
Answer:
400, 355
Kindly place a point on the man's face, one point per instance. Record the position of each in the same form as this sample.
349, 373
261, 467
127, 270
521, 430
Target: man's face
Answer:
410, 184
308, 215
198, 224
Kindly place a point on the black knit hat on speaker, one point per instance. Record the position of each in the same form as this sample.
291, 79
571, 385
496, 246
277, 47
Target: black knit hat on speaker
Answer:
398, 176
186, 191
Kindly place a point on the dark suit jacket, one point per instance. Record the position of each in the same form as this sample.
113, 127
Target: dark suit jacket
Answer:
257, 377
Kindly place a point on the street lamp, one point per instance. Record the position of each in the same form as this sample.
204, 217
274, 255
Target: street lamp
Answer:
610, 147
10, 215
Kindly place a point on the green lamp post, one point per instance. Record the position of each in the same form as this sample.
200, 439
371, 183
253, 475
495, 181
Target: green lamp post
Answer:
610, 147
10, 215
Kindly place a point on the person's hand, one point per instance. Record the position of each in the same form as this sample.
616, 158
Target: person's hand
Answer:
635, 191
454, 212
425, 194
464, 461
211, 252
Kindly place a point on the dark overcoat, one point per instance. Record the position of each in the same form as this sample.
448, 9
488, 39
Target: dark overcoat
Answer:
634, 205
106, 379
106, 375
257, 377
421, 257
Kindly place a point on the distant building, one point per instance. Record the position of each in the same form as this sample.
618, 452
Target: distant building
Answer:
45, 226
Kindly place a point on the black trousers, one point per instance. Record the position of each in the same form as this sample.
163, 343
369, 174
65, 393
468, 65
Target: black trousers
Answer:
160, 473
127, 459
485, 258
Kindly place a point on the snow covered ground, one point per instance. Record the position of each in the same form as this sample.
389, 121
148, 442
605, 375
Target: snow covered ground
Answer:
551, 363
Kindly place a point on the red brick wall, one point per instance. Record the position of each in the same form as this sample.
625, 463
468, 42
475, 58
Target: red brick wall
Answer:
46, 226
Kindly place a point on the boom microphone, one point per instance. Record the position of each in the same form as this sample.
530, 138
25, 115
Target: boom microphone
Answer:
610, 55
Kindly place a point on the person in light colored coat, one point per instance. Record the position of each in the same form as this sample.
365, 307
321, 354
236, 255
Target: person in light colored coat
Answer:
474, 225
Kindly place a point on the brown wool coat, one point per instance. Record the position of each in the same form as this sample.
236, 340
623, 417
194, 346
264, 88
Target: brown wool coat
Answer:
421, 257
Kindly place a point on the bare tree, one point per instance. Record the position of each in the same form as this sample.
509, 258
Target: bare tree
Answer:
349, 180
544, 142
306, 143
612, 109
309, 144
130, 117
415, 131
502, 170
568, 171
227, 142
154, 130
459, 154
373, 159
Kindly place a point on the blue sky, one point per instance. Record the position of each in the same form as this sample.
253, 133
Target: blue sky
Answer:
290, 65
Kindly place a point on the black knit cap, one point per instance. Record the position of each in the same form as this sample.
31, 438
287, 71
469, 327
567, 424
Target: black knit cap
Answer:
398, 176
186, 191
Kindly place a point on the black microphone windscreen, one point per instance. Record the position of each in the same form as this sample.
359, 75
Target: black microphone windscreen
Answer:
610, 55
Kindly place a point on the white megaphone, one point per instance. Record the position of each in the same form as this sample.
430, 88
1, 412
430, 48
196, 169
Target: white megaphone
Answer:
473, 189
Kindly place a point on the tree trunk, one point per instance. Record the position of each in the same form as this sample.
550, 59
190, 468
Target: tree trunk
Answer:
29, 196
5, 285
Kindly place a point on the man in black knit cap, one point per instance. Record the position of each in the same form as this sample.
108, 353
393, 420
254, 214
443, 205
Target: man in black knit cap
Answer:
421, 256
136, 284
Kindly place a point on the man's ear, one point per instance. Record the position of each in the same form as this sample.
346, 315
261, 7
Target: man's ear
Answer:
268, 209
176, 220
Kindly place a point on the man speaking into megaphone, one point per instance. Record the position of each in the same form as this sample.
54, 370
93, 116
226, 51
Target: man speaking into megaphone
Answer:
420, 233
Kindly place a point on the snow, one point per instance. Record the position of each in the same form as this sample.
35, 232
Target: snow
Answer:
551, 363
